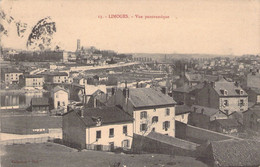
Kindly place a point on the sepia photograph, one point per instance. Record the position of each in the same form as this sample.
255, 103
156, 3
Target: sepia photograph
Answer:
130, 83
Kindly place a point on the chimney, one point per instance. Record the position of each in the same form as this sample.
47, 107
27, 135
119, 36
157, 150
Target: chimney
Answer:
113, 91
81, 113
95, 103
126, 92
236, 84
212, 84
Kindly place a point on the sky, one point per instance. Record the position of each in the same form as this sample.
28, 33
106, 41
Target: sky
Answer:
194, 26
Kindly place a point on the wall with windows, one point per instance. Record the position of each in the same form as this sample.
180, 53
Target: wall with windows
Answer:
231, 104
12, 77
60, 99
161, 120
112, 133
60, 79
34, 82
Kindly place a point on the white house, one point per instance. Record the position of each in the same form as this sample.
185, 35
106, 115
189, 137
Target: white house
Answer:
103, 128
151, 109
60, 98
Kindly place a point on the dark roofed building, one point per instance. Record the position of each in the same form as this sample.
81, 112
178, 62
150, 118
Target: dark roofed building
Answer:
101, 128
156, 108
40, 105
233, 153
253, 95
226, 96
228, 126
251, 118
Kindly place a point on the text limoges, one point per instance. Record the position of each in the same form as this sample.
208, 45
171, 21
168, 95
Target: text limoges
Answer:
118, 16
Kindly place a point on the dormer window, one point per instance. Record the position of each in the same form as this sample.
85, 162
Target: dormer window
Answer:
225, 92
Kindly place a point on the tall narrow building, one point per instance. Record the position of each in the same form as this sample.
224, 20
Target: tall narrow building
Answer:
78, 44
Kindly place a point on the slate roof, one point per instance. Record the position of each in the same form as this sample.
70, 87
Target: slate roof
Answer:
256, 90
172, 141
33, 76
255, 109
253, 80
147, 97
109, 115
182, 109
205, 110
57, 88
232, 90
193, 77
187, 89
236, 153
40, 101
227, 122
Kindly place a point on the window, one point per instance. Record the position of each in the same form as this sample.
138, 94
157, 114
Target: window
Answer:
154, 119
241, 102
98, 134
225, 103
241, 92
143, 114
57, 96
111, 132
166, 125
167, 111
125, 143
143, 127
125, 129
225, 92
153, 129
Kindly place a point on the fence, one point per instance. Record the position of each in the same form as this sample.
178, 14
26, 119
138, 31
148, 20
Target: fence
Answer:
26, 141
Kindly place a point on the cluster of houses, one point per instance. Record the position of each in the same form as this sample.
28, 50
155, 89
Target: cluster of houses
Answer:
100, 114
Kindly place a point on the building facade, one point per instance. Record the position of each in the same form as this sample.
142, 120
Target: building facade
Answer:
60, 98
226, 96
34, 81
151, 110
103, 128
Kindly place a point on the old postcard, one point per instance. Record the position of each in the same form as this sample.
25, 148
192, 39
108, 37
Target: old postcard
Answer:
130, 83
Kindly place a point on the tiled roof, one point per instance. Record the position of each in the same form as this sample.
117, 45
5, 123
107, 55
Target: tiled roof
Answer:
236, 153
145, 97
182, 109
232, 90
108, 115
40, 101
